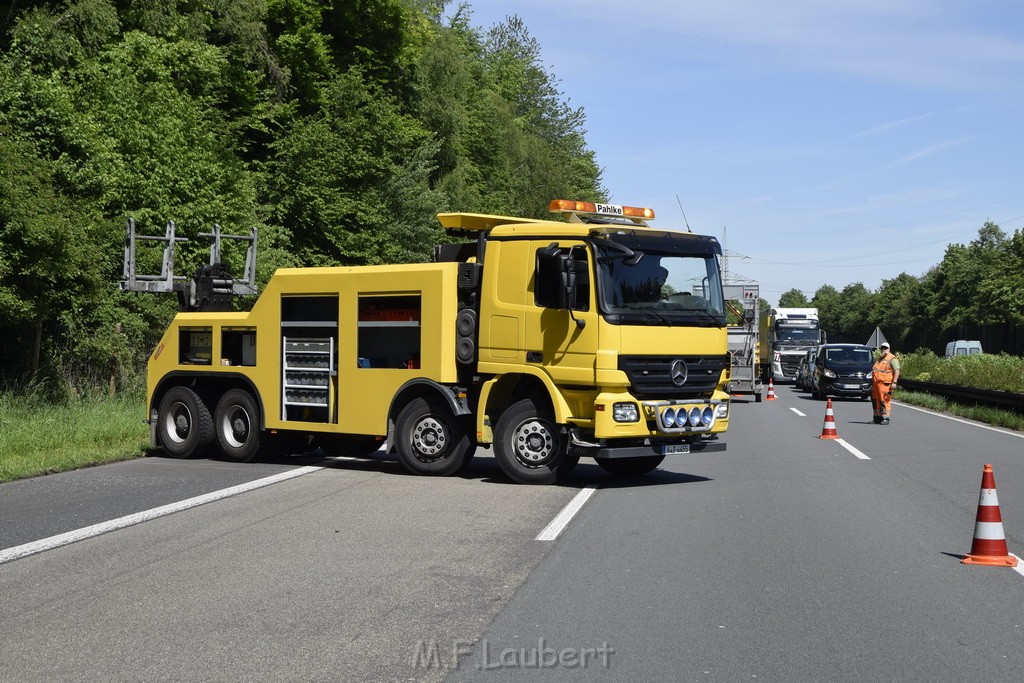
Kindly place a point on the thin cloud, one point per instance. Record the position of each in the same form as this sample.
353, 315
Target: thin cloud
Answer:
888, 201
889, 126
928, 151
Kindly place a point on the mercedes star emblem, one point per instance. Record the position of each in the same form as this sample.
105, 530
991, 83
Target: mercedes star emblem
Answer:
678, 372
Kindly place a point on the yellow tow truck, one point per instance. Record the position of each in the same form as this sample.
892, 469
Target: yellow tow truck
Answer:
594, 335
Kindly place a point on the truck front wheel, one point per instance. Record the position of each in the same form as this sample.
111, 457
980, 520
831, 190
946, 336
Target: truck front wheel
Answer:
237, 422
430, 438
528, 446
184, 425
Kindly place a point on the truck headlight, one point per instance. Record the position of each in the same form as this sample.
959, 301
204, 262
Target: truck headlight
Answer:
707, 416
695, 416
625, 412
722, 411
669, 417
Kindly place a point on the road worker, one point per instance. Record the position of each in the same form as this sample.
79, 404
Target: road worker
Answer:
884, 375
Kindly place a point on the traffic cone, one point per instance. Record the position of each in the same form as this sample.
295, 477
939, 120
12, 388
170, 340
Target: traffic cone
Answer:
989, 546
771, 391
828, 430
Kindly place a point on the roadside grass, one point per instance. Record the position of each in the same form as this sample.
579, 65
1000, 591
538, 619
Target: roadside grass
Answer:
986, 414
41, 437
1000, 372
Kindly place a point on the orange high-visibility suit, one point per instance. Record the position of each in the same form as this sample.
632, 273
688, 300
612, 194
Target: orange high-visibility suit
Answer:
883, 376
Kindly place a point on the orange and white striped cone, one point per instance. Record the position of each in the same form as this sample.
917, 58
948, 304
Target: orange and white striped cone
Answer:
828, 430
771, 391
989, 546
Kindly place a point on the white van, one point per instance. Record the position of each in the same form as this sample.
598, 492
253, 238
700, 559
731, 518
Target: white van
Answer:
962, 347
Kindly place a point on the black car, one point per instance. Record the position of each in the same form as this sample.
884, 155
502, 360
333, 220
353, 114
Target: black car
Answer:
843, 370
805, 370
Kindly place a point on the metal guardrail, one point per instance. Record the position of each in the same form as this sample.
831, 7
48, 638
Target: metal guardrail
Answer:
1004, 399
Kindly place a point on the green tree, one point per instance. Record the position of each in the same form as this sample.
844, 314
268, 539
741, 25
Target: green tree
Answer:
352, 182
48, 264
898, 309
1000, 290
966, 275
828, 302
855, 324
549, 158
794, 298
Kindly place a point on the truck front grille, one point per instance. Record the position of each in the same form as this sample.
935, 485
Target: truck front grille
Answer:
651, 376
790, 366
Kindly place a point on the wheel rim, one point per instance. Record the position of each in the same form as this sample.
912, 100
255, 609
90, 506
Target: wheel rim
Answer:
534, 442
236, 426
178, 424
429, 439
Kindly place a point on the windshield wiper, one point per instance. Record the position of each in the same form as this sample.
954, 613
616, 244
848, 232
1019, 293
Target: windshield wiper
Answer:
650, 309
706, 317
628, 256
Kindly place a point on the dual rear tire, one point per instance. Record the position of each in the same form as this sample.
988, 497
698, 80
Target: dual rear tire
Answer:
237, 426
184, 424
185, 427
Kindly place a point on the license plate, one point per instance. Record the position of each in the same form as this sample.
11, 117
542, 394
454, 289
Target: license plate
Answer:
849, 386
675, 449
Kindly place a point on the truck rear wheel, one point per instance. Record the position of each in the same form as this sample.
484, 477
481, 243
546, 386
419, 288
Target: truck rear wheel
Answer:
430, 438
184, 425
237, 422
630, 467
528, 446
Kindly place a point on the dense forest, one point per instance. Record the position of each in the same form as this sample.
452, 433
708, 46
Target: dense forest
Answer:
338, 129
976, 292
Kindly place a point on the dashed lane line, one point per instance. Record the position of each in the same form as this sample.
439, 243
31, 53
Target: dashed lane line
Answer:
852, 449
562, 519
841, 442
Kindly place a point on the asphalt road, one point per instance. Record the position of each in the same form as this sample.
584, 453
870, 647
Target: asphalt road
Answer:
785, 558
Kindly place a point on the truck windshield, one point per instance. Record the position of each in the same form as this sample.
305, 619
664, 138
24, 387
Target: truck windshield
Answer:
664, 285
798, 335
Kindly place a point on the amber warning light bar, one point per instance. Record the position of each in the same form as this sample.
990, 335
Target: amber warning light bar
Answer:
570, 206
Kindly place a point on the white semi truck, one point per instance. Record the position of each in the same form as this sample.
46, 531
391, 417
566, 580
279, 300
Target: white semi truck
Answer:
786, 335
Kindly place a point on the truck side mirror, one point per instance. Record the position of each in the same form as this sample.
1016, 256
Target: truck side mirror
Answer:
555, 282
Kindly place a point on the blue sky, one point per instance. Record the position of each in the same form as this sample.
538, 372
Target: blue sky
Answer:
822, 141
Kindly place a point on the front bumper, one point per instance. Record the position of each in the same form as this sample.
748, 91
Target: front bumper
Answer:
703, 446
653, 421
842, 386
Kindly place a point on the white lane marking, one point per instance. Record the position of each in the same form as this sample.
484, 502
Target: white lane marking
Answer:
66, 538
853, 450
797, 412
1020, 566
562, 519
1007, 432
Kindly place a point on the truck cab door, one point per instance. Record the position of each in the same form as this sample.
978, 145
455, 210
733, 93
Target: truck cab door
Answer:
561, 313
